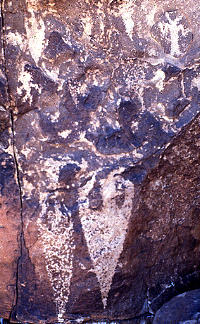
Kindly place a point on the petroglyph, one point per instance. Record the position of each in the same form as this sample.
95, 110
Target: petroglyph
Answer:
25, 85
126, 12
105, 229
55, 225
56, 231
58, 245
173, 33
35, 31
99, 95
57, 237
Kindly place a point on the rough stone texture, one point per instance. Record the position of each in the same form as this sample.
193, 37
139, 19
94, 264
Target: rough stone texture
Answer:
164, 236
10, 218
182, 309
105, 101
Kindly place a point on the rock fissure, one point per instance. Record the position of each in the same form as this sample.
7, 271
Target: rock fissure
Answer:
10, 106
21, 237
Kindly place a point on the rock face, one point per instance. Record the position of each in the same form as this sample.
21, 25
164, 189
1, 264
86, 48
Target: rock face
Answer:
182, 309
100, 157
10, 215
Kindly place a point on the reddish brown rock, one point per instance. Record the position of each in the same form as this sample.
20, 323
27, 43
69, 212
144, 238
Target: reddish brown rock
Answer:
163, 240
10, 216
9, 237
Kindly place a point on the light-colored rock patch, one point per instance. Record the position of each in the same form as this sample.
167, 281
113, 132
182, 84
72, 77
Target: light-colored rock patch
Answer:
35, 31
105, 230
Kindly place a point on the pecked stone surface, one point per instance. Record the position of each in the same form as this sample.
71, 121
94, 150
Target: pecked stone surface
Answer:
105, 102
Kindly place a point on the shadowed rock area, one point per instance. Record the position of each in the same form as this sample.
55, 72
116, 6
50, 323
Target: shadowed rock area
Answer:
99, 158
183, 308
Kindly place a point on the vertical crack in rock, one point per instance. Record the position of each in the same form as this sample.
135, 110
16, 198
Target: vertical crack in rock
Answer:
10, 106
146, 309
21, 238
105, 229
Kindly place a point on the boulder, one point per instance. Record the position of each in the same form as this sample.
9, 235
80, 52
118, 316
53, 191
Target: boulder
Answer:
183, 309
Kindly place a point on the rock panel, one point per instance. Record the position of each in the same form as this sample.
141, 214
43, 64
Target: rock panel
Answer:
100, 90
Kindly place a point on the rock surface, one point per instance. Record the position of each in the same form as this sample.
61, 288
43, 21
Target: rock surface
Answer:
100, 132
10, 215
184, 308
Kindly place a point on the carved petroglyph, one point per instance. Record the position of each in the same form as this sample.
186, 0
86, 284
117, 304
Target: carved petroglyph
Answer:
57, 236
158, 79
35, 30
25, 85
126, 11
97, 87
55, 226
25, 80
56, 232
173, 33
105, 229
